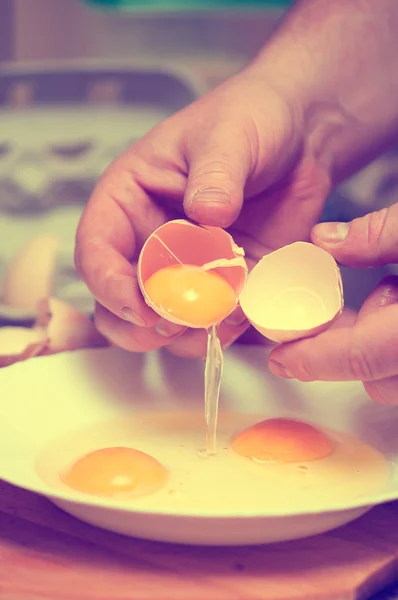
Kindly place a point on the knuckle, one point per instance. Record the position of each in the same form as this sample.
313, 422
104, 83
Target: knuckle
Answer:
123, 336
376, 223
105, 331
132, 344
377, 392
303, 369
189, 345
218, 170
359, 362
101, 322
79, 253
87, 254
106, 281
181, 351
139, 339
302, 364
228, 337
78, 263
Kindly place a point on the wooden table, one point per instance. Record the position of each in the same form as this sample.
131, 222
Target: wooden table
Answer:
48, 555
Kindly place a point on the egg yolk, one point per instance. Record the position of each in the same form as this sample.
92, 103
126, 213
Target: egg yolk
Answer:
113, 472
282, 440
199, 298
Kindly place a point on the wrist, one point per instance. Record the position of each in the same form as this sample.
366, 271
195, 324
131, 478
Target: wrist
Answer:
335, 61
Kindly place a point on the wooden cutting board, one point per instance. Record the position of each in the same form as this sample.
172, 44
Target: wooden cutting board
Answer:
46, 554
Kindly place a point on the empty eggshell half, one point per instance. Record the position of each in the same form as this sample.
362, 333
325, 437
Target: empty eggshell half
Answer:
183, 243
292, 293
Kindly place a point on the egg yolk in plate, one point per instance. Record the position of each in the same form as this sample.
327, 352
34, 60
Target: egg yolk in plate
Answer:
190, 294
282, 440
112, 472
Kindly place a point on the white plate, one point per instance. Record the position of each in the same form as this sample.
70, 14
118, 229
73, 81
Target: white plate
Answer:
47, 399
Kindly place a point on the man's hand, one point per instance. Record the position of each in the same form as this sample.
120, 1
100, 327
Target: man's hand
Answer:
258, 156
233, 159
367, 349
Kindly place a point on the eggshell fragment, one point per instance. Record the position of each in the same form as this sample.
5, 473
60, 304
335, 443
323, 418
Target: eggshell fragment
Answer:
29, 275
292, 293
20, 343
181, 242
66, 327
59, 327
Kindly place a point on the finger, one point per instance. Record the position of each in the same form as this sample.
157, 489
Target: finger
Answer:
384, 294
106, 244
268, 216
347, 319
218, 169
236, 318
322, 358
113, 282
384, 391
194, 342
368, 241
252, 337
133, 338
367, 351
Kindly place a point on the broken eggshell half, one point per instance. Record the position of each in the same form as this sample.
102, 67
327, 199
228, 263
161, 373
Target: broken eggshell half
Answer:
59, 327
292, 293
20, 343
183, 243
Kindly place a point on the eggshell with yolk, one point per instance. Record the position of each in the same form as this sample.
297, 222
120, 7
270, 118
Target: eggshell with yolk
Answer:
292, 293
181, 242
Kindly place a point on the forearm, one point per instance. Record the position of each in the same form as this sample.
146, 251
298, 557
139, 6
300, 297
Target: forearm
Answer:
337, 60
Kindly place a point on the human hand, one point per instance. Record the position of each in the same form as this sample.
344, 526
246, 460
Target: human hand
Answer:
365, 348
238, 158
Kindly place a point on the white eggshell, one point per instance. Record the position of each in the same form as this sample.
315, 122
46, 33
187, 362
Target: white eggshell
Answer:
14, 340
20, 343
292, 293
29, 276
59, 327
182, 242
66, 327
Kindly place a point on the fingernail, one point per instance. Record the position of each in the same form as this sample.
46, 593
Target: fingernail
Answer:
279, 370
211, 195
331, 232
129, 315
236, 319
167, 329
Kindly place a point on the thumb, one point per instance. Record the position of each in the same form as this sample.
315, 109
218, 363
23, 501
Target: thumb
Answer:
218, 170
365, 351
368, 241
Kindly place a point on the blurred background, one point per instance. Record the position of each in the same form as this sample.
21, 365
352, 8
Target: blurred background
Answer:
81, 80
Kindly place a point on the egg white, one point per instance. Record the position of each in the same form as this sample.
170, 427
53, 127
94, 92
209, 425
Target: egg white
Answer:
226, 483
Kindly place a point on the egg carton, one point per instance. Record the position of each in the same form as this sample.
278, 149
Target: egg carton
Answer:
60, 126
